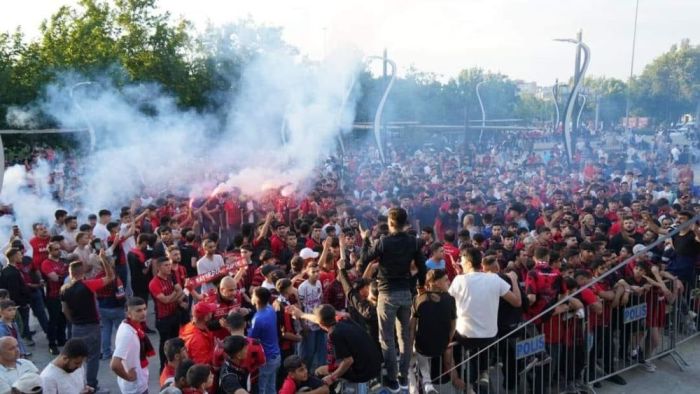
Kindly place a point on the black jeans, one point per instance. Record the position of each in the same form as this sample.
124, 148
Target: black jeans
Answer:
472, 346
168, 327
57, 322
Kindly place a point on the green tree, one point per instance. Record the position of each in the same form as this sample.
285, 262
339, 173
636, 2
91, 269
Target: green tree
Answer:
670, 85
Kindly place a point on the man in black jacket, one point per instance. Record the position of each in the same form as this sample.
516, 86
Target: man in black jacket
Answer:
395, 252
12, 280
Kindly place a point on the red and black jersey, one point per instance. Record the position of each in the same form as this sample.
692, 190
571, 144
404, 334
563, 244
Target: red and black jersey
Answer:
546, 284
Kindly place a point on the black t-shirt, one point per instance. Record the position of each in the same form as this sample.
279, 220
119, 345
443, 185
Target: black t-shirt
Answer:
81, 303
232, 378
508, 315
188, 252
686, 245
435, 313
350, 340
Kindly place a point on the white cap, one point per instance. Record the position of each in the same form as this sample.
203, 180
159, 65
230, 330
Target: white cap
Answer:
30, 382
307, 253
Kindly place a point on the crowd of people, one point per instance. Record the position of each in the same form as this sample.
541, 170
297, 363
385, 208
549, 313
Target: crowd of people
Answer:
378, 274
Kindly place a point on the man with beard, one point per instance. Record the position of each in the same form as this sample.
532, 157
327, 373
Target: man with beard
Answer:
65, 374
228, 299
168, 297
140, 267
69, 232
39, 244
626, 236
166, 241
54, 271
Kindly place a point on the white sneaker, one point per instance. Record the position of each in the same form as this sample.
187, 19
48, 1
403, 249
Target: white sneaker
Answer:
649, 366
430, 389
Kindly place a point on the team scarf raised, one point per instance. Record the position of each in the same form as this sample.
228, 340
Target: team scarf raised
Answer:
145, 346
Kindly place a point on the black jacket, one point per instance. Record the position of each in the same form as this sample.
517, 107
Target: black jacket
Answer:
12, 280
395, 253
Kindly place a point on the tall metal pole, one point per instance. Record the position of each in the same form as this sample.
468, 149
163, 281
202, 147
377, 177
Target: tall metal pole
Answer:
555, 94
483, 113
629, 83
91, 131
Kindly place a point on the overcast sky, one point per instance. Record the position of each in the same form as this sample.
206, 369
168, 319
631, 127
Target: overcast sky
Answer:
445, 36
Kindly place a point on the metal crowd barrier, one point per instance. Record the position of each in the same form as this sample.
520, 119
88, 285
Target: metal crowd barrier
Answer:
578, 350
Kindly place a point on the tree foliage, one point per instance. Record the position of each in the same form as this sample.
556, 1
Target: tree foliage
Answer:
133, 41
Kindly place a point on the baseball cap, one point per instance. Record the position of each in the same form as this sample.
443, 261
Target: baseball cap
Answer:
267, 269
637, 248
201, 309
28, 383
307, 253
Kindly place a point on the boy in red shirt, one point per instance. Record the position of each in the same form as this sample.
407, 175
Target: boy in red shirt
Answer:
299, 380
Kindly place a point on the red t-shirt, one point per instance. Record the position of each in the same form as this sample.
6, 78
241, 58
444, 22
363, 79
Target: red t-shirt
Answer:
40, 251
53, 289
233, 213
288, 387
158, 286
276, 245
168, 372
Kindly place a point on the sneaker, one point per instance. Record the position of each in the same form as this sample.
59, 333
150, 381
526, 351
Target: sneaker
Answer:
53, 350
649, 366
392, 386
484, 379
26, 355
430, 389
403, 382
617, 379
29, 342
149, 330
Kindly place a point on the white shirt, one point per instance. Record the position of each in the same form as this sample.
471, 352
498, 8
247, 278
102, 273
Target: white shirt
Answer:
100, 231
69, 238
477, 295
10, 375
206, 265
310, 296
58, 381
128, 348
129, 243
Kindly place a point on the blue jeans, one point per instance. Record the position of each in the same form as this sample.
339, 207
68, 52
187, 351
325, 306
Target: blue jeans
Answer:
394, 312
354, 388
268, 374
313, 349
90, 334
110, 318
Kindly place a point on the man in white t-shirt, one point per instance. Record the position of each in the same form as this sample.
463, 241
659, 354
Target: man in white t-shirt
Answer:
66, 374
210, 262
100, 230
130, 345
313, 342
11, 366
477, 295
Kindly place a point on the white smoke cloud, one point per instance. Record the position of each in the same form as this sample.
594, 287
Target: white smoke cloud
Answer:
165, 148
23, 118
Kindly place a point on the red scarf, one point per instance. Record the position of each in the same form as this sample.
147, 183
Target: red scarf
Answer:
140, 254
146, 349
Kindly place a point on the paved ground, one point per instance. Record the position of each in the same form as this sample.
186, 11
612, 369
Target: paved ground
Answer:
668, 378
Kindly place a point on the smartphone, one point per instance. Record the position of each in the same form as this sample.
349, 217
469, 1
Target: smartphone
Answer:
15, 230
98, 246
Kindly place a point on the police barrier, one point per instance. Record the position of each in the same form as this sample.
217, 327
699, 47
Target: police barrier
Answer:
616, 320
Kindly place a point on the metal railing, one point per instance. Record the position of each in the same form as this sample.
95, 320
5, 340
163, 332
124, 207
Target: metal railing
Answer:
560, 350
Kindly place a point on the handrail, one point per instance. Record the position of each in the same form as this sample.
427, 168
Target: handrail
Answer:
566, 299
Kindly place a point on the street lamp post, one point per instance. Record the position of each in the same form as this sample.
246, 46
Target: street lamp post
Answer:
629, 83
483, 113
91, 131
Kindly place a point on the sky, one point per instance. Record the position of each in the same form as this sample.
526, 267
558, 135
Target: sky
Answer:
514, 37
